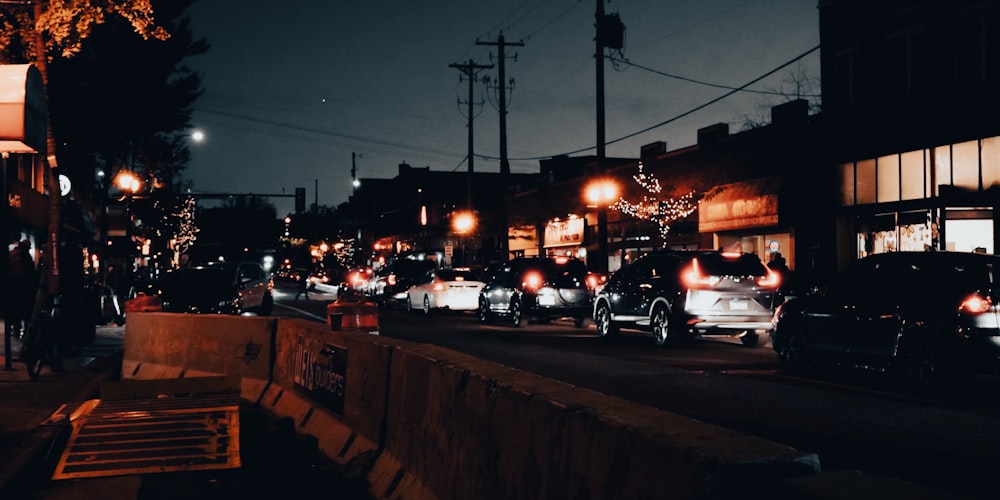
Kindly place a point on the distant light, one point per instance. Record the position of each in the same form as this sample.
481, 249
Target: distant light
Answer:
356, 183
197, 136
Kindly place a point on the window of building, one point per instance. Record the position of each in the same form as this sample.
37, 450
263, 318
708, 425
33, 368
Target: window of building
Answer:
845, 179
887, 184
865, 182
991, 162
969, 230
914, 175
965, 164
942, 167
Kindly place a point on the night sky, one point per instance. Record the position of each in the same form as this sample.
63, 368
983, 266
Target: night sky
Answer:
292, 89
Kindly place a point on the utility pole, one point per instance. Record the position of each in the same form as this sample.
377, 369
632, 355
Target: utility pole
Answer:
610, 33
500, 44
504, 161
354, 173
469, 71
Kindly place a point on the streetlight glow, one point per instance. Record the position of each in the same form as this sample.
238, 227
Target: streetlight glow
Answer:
128, 181
463, 222
601, 192
197, 136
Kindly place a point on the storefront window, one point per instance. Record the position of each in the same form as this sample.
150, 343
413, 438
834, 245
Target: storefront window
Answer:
969, 235
865, 182
965, 164
888, 178
845, 178
942, 167
914, 175
991, 162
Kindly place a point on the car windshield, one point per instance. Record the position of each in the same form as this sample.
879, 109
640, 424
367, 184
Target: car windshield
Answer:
718, 264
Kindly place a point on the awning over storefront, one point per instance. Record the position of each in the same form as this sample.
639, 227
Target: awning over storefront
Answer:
27, 206
741, 205
22, 109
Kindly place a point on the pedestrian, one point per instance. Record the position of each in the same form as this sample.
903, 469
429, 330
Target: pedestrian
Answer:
303, 285
23, 284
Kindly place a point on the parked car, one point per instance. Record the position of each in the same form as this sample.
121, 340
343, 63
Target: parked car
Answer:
915, 315
539, 288
389, 285
218, 288
448, 289
677, 294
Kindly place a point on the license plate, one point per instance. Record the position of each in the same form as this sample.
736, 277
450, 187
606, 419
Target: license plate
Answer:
737, 305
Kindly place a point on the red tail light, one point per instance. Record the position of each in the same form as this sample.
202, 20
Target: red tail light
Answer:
694, 278
771, 280
391, 279
532, 281
975, 304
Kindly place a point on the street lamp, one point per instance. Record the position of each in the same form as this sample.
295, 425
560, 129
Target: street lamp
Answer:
599, 194
129, 183
463, 223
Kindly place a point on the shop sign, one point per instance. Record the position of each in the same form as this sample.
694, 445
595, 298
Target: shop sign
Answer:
521, 238
322, 376
740, 205
560, 233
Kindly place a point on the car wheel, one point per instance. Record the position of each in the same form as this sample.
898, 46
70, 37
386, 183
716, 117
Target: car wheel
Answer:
409, 305
790, 346
602, 318
752, 338
516, 316
661, 328
916, 367
427, 306
484, 310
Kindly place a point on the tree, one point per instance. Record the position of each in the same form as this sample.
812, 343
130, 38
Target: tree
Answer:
653, 207
56, 29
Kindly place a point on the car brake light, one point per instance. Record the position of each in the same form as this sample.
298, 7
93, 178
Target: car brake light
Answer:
693, 277
975, 303
438, 287
391, 279
532, 281
770, 280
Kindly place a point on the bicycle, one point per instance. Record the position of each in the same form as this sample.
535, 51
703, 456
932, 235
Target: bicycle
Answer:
40, 343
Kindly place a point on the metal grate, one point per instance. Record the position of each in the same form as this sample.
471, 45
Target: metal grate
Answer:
141, 436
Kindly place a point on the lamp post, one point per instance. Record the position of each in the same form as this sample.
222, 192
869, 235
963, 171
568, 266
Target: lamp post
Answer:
599, 194
129, 184
463, 223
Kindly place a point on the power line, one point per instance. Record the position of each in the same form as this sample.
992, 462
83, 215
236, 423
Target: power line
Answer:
707, 84
676, 117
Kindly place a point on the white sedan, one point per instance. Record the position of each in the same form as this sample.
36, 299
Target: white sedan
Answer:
447, 289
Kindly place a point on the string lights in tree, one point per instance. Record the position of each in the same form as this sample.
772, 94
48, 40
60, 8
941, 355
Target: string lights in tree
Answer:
661, 211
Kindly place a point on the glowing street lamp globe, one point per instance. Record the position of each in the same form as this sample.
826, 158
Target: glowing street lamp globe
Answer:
601, 192
463, 222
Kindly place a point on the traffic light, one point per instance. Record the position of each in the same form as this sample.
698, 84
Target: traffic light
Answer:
300, 199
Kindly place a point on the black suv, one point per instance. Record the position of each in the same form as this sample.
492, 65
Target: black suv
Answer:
675, 294
218, 288
388, 287
916, 315
540, 288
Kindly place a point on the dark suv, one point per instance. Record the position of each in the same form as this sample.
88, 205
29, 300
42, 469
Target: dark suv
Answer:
218, 288
916, 315
389, 285
675, 294
540, 288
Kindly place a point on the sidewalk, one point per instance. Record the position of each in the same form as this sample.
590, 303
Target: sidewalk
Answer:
28, 437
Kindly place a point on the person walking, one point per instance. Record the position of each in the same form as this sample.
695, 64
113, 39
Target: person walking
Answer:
303, 285
21, 293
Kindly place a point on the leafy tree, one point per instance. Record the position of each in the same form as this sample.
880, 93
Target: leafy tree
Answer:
40, 31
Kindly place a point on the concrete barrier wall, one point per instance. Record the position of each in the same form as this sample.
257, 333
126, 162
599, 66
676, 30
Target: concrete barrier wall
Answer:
171, 345
467, 428
423, 422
